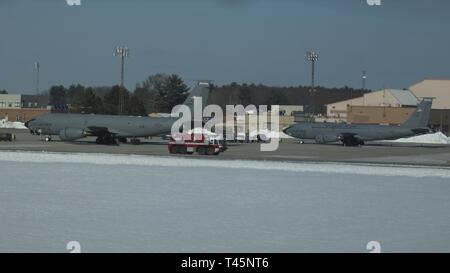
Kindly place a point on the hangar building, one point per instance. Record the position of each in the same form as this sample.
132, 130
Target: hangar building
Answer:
391, 106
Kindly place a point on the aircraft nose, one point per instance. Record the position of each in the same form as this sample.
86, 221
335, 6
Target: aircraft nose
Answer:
27, 124
288, 130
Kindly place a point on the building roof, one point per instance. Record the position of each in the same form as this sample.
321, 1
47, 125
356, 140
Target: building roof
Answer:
10, 96
404, 97
347, 100
42, 100
439, 89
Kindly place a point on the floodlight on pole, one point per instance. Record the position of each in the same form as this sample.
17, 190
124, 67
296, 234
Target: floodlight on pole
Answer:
313, 57
364, 78
122, 53
37, 66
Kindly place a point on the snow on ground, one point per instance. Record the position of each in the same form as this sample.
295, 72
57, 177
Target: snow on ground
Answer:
268, 134
436, 138
157, 204
4, 123
123, 160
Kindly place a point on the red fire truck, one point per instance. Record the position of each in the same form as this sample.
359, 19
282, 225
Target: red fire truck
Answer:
190, 143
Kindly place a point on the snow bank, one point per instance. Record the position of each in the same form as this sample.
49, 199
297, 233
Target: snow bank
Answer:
267, 134
436, 138
138, 160
4, 123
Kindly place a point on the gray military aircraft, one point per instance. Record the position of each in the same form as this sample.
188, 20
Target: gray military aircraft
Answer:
357, 134
109, 128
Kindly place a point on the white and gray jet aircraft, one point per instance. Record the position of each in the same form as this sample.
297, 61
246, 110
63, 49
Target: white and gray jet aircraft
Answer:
357, 134
109, 128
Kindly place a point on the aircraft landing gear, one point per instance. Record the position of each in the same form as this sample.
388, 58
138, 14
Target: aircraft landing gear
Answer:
135, 141
352, 142
107, 140
48, 138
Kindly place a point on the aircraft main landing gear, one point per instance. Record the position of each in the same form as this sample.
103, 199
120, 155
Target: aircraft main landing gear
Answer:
135, 141
351, 142
107, 140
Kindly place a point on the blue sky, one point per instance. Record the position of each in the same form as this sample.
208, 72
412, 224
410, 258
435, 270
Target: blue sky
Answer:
253, 41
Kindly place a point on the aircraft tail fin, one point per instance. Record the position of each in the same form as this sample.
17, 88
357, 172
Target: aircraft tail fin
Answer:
420, 117
201, 89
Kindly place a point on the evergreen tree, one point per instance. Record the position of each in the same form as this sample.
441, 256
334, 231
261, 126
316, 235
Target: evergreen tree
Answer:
245, 95
135, 106
111, 100
150, 91
58, 96
173, 91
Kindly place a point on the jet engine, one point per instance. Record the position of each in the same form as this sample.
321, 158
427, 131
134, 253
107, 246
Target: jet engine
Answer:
69, 134
322, 139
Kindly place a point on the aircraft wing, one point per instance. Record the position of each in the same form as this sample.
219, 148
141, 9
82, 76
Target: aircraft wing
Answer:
348, 135
98, 131
103, 131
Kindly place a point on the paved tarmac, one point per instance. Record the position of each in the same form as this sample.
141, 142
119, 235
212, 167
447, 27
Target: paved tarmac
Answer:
289, 150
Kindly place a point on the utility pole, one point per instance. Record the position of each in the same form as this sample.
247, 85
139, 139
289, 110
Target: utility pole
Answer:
312, 57
122, 53
37, 67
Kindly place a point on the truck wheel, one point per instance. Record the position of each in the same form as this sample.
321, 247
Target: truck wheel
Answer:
174, 150
210, 151
201, 150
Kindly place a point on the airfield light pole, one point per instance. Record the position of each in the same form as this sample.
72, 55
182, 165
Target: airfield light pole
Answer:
37, 67
312, 57
122, 53
364, 78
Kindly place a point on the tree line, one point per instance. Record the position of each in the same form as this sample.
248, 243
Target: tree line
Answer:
157, 93
160, 92
313, 101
